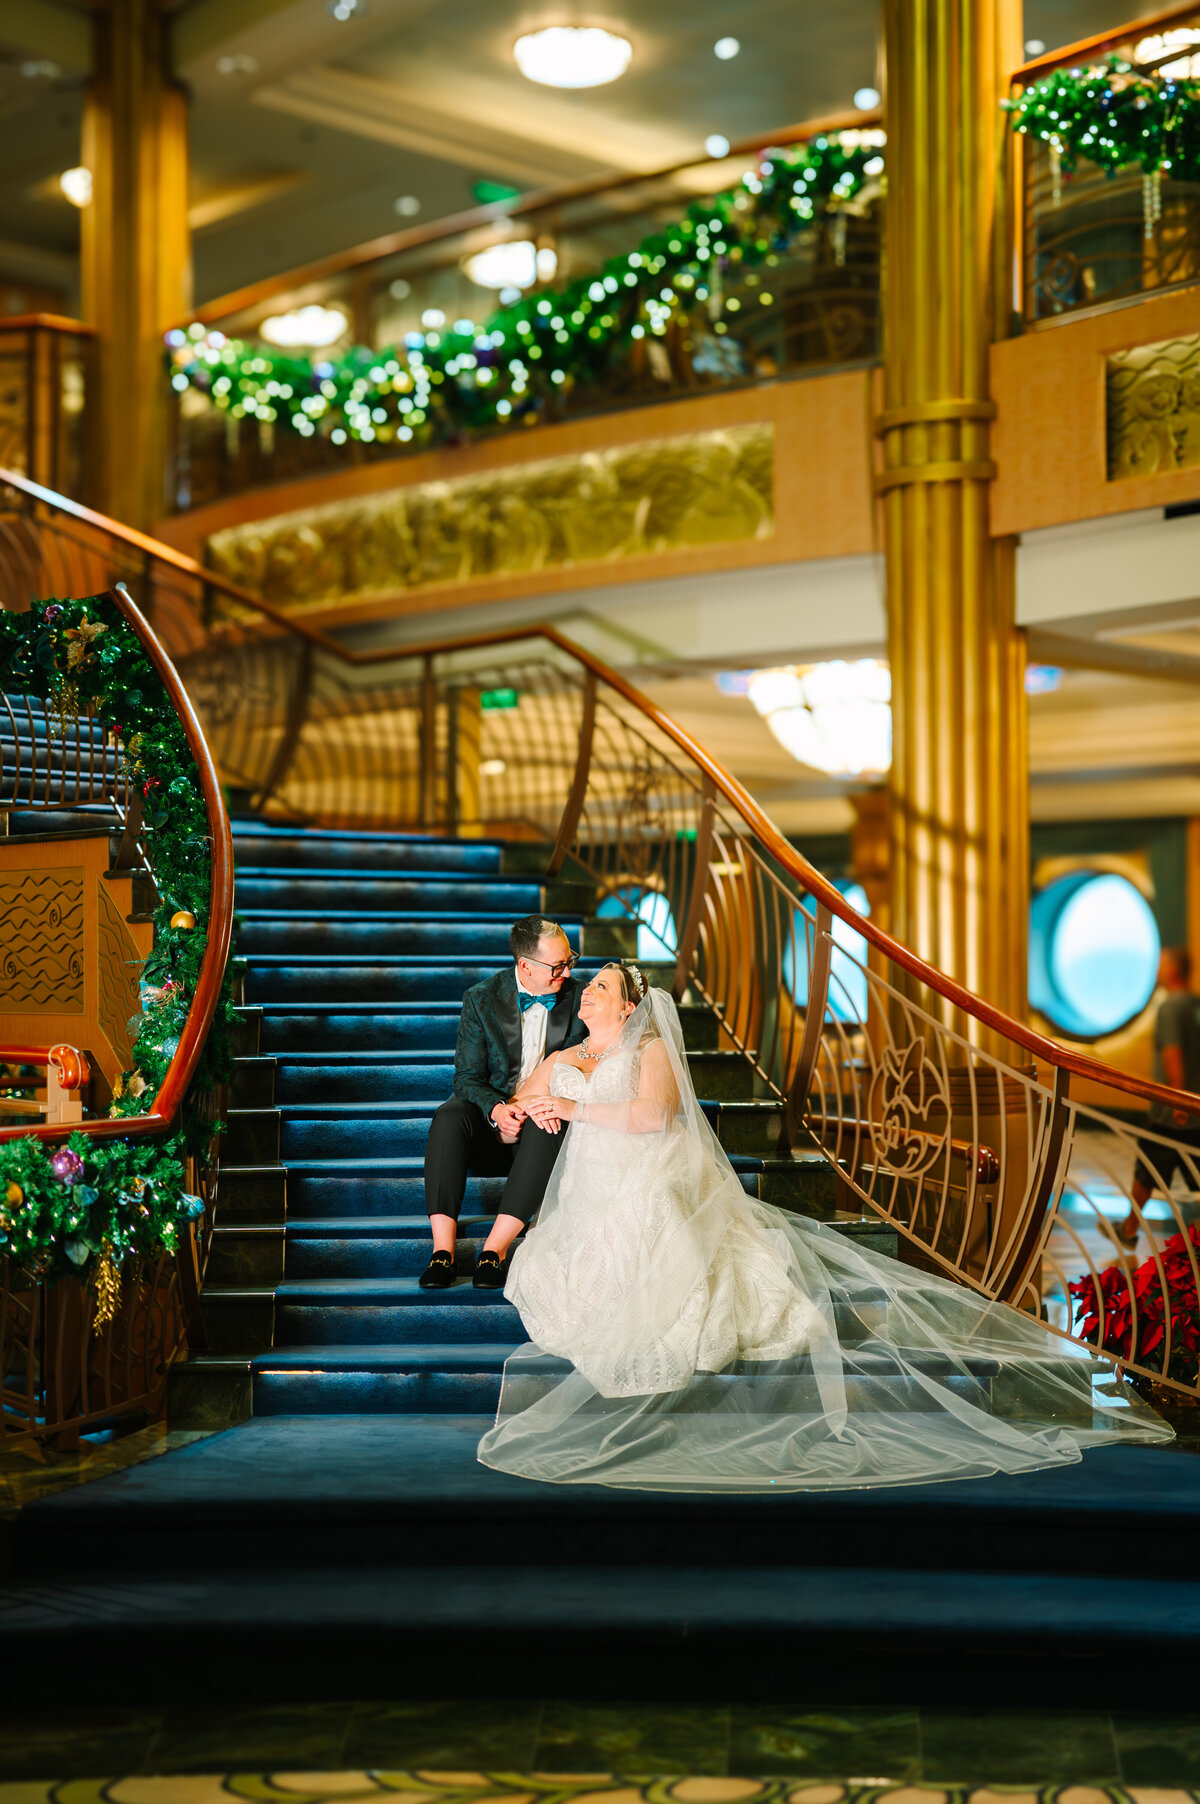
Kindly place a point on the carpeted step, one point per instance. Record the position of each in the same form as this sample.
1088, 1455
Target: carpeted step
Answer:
327, 1188
275, 890
415, 1378
362, 1311
406, 1026
385, 934
387, 980
255, 843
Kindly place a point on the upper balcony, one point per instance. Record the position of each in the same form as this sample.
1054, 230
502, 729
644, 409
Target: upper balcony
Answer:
758, 264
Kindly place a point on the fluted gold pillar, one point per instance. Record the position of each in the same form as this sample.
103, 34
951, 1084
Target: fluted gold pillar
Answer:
959, 781
136, 252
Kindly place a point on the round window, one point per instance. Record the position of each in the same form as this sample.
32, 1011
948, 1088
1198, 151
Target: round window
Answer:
847, 973
1093, 953
657, 937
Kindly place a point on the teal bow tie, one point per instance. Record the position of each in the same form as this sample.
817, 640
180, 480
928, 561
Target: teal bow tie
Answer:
528, 1001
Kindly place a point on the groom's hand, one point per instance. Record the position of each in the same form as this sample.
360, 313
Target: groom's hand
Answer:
507, 1118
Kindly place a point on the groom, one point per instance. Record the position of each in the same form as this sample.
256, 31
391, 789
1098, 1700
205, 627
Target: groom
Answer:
509, 1024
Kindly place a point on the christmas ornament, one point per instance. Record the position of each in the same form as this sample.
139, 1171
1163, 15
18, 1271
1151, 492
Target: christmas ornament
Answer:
66, 1166
14, 1195
183, 920
107, 1285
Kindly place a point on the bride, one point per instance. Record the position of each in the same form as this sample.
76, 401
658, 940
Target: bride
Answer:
687, 1337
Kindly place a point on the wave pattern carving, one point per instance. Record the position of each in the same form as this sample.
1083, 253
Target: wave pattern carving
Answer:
41, 960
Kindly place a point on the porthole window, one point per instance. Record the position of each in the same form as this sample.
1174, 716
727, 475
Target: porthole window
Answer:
657, 937
847, 977
1093, 953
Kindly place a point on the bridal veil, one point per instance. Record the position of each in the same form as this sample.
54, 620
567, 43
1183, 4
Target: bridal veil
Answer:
691, 1338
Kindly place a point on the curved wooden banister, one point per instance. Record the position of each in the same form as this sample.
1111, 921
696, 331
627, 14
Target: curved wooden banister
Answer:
765, 831
220, 921
1089, 50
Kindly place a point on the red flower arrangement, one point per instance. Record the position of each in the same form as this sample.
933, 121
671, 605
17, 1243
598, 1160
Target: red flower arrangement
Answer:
1110, 1314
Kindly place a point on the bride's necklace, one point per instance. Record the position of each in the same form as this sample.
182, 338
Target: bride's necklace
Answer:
585, 1052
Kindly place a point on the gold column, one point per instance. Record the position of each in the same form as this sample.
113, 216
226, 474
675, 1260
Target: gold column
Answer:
959, 781
136, 252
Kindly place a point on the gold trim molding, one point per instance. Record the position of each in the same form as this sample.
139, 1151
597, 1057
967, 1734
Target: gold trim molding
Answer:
702, 488
1152, 396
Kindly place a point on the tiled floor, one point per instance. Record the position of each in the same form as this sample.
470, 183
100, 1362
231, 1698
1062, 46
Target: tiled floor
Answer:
29, 1473
856, 1746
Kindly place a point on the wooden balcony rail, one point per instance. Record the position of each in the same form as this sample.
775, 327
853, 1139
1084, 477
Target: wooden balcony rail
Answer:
67, 1077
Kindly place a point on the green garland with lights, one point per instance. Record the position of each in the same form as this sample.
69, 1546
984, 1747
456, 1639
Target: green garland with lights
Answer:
63, 1214
1116, 118
440, 385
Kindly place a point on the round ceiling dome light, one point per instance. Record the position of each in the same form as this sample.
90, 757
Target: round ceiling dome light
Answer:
511, 265
572, 56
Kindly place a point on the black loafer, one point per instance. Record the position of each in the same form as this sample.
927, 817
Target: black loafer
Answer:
489, 1272
439, 1273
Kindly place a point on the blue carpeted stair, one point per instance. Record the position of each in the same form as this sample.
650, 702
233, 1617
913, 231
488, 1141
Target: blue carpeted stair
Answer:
358, 950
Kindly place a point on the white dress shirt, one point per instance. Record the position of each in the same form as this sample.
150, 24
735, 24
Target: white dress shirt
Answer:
533, 1034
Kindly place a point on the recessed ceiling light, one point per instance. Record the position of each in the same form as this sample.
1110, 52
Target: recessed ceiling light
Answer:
716, 145
1035, 47
408, 206
76, 184
572, 56
305, 326
237, 64
40, 68
399, 289
344, 10
866, 98
726, 49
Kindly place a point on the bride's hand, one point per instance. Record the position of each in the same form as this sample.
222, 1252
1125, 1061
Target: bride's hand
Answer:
549, 1112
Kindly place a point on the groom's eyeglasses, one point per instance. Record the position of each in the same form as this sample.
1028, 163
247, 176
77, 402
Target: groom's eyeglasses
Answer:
556, 970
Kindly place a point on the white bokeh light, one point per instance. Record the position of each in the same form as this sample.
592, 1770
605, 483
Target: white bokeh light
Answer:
572, 56
307, 326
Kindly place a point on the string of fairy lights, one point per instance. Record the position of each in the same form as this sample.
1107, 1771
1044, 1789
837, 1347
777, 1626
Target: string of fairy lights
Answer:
439, 383
689, 278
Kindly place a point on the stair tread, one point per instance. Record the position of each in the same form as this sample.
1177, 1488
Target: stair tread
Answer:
464, 1356
389, 1290
448, 917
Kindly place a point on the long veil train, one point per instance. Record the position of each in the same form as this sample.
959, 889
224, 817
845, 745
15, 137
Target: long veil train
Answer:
686, 1337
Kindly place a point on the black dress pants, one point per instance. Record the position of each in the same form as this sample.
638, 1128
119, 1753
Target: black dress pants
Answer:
461, 1142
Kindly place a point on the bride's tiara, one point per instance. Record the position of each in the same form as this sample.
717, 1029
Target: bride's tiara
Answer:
636, 979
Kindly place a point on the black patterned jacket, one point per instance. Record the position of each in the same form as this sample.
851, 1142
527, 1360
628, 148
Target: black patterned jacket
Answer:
487, 1057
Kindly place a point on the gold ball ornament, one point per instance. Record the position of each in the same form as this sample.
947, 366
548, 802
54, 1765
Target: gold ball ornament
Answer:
183, 919
14, 1195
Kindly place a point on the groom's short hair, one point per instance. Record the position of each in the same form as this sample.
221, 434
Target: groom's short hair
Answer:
526, 933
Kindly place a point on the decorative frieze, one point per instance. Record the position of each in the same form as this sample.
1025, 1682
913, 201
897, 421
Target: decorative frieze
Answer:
1153, 408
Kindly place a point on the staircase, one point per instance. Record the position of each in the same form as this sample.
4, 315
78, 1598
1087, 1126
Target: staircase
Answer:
358, 949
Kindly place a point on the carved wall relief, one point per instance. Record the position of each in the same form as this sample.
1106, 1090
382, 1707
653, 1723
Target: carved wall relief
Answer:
1153, 408
120, 964
42, 958
702, 488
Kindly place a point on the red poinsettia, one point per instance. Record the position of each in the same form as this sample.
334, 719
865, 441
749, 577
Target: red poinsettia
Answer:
1132, 1323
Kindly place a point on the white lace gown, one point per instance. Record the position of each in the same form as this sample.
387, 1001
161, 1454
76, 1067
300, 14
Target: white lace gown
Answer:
687, 1337
620, 1282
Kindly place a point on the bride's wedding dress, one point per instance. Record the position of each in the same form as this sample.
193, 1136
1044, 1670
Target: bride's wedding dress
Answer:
687, 1337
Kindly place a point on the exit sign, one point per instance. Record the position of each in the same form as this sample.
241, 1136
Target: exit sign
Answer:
498, 698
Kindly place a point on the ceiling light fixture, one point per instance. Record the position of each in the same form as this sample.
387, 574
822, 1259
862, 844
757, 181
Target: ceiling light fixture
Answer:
726, 49
345, 10
1035, 47
866, 98
716, 145
836, 717
76, 184
407, 205
237, 64
572, 56
308, 326
40, 68
511, 265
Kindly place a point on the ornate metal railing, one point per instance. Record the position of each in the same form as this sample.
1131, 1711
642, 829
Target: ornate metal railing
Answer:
1090, 237
45, 365
1004, 1159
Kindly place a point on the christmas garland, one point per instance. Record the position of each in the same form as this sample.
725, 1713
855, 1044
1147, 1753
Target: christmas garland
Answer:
439, 385
82, 1207
1116, 118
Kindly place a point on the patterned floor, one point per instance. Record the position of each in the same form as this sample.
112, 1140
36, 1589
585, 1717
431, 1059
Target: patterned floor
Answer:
481, 1788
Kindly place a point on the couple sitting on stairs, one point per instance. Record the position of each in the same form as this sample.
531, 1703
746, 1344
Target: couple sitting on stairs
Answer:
682, 1334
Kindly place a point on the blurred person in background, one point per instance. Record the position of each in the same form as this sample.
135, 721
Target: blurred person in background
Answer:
1177, 1063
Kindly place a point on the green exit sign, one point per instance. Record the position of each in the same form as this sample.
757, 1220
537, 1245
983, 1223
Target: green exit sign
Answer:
498, 698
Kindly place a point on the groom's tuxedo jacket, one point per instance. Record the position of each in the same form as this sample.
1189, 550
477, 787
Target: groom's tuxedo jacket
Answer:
487, 1058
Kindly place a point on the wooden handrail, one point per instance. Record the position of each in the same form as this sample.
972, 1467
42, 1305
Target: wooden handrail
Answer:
735, 794
46, 322
239, 300
1086, 50
220, 915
